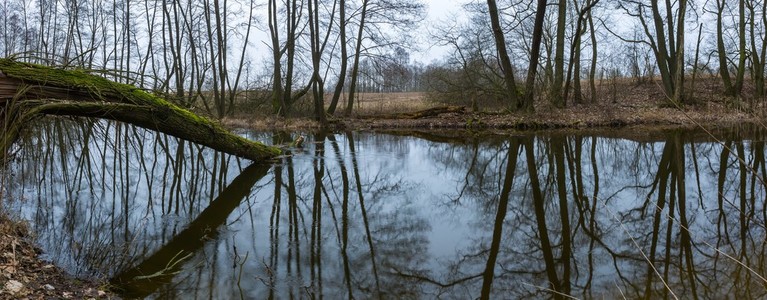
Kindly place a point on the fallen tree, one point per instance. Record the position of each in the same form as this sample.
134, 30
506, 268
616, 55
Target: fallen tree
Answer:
28, 91
421, 114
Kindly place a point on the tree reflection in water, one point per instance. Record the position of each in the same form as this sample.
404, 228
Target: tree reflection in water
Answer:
363, 215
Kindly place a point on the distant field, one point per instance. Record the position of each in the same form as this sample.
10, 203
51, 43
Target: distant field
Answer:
376, 103
704, 91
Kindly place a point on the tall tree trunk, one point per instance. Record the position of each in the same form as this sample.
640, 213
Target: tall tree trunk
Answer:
559, 56
594, 52
758, 55
356, 64
503, 55
577, 93
662, 56
575, 52
283, 95
695, 62
241, 64
210, 31
739, 78
220, 52
290, 50
316, 50
278, 101
721, 51
540, 14
344, 59
679, 96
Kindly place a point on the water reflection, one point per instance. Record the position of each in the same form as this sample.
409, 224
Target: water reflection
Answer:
158, 269
363, 215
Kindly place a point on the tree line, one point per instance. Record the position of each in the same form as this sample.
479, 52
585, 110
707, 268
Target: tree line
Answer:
557, 46
206, 54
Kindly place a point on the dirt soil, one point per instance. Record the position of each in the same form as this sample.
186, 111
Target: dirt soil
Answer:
23, 275
573, 118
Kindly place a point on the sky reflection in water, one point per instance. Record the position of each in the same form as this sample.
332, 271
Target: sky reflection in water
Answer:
399, 216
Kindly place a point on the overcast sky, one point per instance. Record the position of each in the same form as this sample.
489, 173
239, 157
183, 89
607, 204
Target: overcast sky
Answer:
439, 11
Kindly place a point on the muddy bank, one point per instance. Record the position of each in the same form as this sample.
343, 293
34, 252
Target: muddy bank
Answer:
579, 117
630, 104
24, 275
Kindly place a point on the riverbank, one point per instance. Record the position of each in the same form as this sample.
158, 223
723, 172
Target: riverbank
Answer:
24, 275
625, 104
578, 117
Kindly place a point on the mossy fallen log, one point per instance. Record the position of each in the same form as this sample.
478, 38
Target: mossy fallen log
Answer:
426, 113
433, 112
29, 90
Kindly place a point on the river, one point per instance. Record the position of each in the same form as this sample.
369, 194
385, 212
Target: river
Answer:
452, 215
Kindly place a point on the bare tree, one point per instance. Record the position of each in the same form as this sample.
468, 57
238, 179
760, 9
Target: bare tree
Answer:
505, 61
356, 63
665, 38
382, 25
575, 51
593, 68
317, 48
740, 75
283, 83
559, 58
534, 54
758, 44
722, 8
342, 22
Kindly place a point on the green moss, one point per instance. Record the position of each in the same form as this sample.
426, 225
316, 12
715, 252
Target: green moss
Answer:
104, 90
98, 87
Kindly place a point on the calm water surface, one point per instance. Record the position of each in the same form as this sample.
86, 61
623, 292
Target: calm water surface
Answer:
368, 215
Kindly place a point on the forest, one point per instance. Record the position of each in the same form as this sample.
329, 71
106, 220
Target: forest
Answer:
311, 58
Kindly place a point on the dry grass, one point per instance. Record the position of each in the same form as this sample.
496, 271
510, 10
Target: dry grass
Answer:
271, 123
387, 103
620, 102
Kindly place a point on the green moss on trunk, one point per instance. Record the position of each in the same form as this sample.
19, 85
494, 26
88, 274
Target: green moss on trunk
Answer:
46, 90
